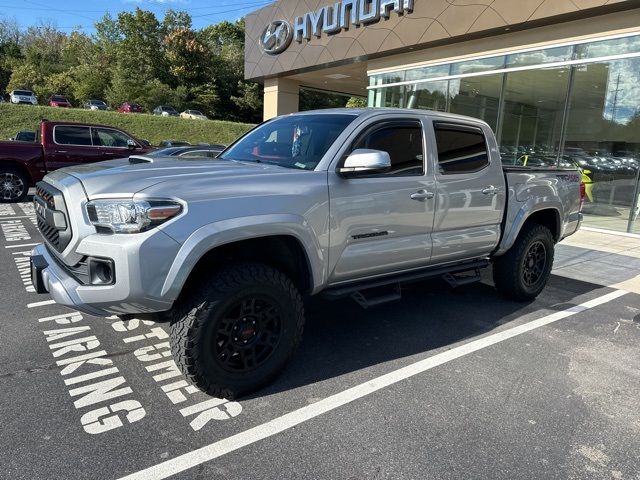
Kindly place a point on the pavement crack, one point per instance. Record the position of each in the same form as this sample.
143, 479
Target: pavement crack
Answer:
54, 366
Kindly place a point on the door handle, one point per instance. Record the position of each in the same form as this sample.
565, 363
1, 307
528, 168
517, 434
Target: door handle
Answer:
422, 195
490, 190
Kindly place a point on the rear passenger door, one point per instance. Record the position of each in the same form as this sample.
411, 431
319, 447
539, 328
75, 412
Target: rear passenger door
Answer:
381, 222
71, 145
470, 193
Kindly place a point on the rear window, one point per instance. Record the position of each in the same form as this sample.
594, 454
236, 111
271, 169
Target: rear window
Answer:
24, 93
58, 98
461, 149
72, 135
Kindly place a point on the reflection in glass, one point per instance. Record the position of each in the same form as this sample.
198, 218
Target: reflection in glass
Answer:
534, 102
478, 65
606, 48
428, 96
603, 138
387, 78
477, 97
540, 57
425, 73
390, 97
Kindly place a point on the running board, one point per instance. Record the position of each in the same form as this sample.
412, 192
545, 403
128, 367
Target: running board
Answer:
373, 301
456, 281
446, 272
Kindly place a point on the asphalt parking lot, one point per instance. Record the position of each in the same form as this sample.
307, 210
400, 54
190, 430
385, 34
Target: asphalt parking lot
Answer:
444, 384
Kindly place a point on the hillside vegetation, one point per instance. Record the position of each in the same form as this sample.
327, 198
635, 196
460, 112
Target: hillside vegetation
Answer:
154, 129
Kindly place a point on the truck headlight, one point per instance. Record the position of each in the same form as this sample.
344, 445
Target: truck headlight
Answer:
131, 216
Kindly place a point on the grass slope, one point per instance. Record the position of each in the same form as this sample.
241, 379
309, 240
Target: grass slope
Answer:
26, 117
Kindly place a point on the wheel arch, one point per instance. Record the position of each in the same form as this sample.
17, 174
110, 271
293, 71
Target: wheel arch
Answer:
16, 165
547, 215
289, 247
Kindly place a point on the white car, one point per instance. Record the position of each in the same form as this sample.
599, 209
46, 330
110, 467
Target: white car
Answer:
23, 96
194, 114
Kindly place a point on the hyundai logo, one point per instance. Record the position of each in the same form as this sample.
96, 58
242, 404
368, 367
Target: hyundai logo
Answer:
276, 37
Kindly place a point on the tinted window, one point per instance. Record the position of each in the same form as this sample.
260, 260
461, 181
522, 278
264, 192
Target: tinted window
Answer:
401, 140
296, 141
24, 93
460, 149
110, 138
68, 135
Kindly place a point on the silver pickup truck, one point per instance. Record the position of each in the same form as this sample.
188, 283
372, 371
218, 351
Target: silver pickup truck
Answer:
340, 202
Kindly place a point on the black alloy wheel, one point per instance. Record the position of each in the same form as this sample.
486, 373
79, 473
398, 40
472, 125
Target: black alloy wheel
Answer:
248, 333
534, 265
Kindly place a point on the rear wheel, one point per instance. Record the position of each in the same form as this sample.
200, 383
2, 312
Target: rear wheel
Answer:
237, 332
522, 273
14, 185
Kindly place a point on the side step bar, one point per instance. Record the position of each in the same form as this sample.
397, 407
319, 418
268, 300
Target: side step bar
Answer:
450, 274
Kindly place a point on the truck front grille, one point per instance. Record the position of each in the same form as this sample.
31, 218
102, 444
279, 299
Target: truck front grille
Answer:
50, 234
51, 216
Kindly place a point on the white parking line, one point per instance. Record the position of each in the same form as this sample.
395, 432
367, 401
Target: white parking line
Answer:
40, 304
289, 420
23, 245
13, 217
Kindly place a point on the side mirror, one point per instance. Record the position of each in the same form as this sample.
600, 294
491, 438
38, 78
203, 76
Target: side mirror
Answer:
131, 144
364, 160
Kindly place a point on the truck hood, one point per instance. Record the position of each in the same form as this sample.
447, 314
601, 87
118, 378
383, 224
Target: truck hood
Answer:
121, 178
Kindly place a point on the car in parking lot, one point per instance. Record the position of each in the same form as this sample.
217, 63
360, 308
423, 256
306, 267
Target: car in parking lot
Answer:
94, 105
23, 96
24, 136
189, 151
193, 114
59, 101
130, 107
174, 143
165, 111
342, 202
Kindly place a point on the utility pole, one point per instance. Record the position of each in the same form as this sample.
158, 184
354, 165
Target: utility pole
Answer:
615, 99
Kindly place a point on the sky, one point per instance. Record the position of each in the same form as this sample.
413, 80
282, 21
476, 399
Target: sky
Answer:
70, 14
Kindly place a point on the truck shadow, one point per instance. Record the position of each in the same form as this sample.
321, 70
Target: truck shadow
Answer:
341, 338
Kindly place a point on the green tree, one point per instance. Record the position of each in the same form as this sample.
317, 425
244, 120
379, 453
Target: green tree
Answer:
356, 102
140, 52
249, 101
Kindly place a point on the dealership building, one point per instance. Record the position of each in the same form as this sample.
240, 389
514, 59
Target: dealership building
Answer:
557, 80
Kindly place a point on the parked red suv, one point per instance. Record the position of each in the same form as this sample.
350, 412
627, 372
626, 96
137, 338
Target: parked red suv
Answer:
128, 107
59, 101
59, 144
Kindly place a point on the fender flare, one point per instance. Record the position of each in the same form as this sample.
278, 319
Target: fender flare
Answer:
524, 213
224, 232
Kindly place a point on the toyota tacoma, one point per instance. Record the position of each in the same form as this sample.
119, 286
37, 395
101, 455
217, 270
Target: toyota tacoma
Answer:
348, 202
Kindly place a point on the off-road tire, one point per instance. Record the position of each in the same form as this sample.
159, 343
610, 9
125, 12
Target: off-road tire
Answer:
12, 174
510, 269
202, 317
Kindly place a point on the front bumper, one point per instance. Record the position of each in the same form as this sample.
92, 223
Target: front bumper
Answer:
140, 274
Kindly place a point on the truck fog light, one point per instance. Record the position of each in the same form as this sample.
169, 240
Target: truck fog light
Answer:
101, 271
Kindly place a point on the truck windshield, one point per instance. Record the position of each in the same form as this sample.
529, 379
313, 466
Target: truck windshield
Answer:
296, 141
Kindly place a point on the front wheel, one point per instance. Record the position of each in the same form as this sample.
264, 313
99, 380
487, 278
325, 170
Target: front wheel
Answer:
522, 273
14, 185
238, 331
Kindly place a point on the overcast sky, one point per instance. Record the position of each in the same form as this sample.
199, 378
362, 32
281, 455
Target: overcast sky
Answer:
70, 14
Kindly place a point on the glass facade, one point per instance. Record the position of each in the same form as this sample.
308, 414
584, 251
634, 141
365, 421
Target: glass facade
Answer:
565, 106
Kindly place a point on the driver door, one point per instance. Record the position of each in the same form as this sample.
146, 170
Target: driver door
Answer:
381, 222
